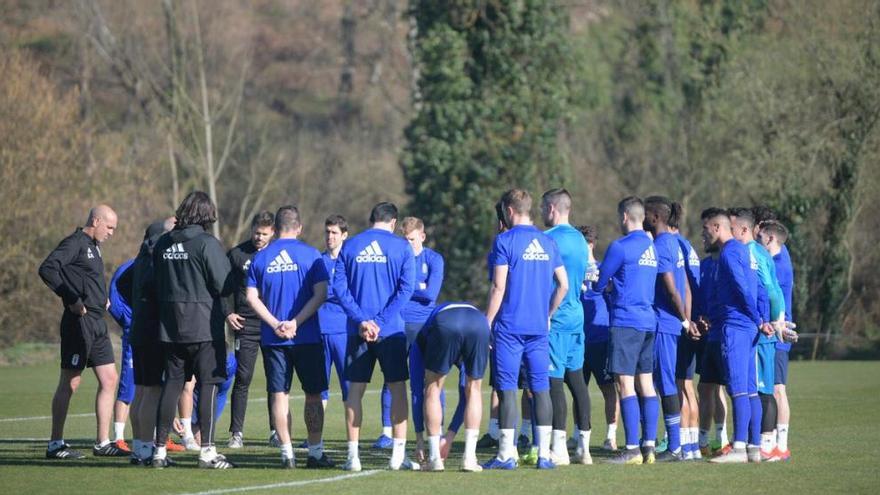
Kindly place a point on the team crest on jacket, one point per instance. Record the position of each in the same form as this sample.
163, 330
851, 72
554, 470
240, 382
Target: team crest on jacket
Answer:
535, 252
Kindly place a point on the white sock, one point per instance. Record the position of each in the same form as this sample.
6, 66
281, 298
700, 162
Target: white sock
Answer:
782, 437
649, 443
187, 427
493, 428
506, 445
386, 430
768, 442
434, 447
612, 432
56, 444
558, 446
704, 438
317, 450
739, 445
398, 451
353, 450
470, 443
584, 441
544, 433
119, 430
161, 452
721, 434
526, 428
103, 443
208, 453
287, 451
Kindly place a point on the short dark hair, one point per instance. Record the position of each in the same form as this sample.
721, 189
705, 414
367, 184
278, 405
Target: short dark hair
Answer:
287, 218
676, 215
763, 213
337, 220
659, 205
743, 215
590, 233
712, 212
776, 228
518, 199
263, 219
558, 197
633, 206
383, 212
196, 209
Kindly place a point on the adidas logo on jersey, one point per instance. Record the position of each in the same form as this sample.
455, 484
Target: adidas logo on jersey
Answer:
371, 254
246, 266
89, 254
535, 252
680, 262
753, 262
648, 258
175, 252
282, 263
693, 259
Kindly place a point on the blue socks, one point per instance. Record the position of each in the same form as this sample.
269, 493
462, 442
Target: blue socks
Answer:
629, 412
650, 412
673, 431
755, 420
742, 412
386, 406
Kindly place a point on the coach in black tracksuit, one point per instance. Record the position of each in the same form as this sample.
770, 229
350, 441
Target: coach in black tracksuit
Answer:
192, 274
244, 322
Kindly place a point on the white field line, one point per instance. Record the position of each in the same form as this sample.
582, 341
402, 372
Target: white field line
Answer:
285, 485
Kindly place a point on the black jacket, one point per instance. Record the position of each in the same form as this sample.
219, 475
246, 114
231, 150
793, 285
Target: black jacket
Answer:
240, 258
144, 306
192, 275
75, 272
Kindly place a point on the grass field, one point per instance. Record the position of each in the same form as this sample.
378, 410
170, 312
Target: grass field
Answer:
834, 439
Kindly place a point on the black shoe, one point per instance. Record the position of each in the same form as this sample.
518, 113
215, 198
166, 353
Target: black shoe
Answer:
218, 462
159, 463
64, 452
487, 442
287, 463
669, 456
648, 455
320, 463
109, 450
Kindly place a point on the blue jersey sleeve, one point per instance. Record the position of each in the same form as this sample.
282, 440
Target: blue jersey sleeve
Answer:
500, 254
612, 262
255, 272
340, 288
120, 307
435, 281
405, 286
741, 292
666, 258
317, 272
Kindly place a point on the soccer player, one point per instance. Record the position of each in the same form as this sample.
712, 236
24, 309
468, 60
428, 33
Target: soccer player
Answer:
246, 325
596, 333
191, 273
374, 278
771, 306
75, 272
567, 330
287, 283
690, 348
429, 280
522, 300
120, 309
672, 318
773, 236
631, 265
736, 292
331, 316
454, 333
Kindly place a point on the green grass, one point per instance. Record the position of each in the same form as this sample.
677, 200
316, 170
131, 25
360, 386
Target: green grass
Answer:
834, 439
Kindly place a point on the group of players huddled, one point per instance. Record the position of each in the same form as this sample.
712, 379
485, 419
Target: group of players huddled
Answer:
641, 322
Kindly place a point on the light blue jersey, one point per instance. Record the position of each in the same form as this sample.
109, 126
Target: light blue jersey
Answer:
575, 253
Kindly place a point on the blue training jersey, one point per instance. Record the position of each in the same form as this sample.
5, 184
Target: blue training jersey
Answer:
284, 274
772, 304
670, 259
785, 276
596, 320
692, 269
331, 316
531, 258
120, 306
737, 287
575, 253
374, 279
630, 264
429, 280
710, 308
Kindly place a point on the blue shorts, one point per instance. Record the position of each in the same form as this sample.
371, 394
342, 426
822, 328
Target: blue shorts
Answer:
630, 351
361, 357
125, 392
514, 350
738, 353
306, 359
686, 362
780, 377
665, 357
334, 355
596, 362
766, 367
456, 334
712, 364
566, 353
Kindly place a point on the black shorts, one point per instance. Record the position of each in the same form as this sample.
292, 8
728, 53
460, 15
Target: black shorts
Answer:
149, 364
456, 334
306, 359
205, 360
84, 342
361, 357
